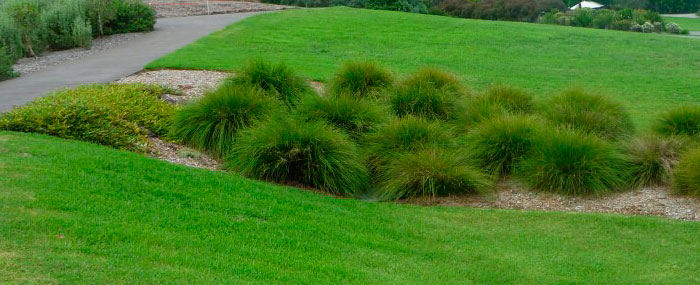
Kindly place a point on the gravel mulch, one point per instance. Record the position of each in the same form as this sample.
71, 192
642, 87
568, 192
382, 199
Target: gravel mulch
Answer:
179, 154
646, 201
181, 8
192, 83
658, 201
29, 65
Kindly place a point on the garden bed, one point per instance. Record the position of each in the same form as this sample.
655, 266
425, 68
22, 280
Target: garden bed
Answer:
652, 201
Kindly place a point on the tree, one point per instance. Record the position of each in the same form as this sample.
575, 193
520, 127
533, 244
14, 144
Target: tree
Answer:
100, 12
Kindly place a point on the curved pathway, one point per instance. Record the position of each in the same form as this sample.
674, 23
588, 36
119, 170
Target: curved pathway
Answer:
115, 63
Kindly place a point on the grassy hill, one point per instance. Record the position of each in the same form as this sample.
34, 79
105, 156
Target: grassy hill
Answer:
72, 212
685, 23
647, 72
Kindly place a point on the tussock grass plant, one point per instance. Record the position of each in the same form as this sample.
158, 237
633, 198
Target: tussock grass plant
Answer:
432, 171
424, 100
437, 78
588, 113
405, 134
355, 116
569, 163
498, 144
277, 80
653, 157
686, 176
683, 120
513, 100
362, 79
211, 123
293, 151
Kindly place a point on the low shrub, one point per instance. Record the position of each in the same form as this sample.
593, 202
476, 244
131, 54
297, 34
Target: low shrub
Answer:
652, 158
413, 6
430, 172
686, 176
293, 151
498, 144
26, 16
505, 10
404, 134
582, 17
621, 25
6, 71
136, 103
673, 28
424, 100
130, 16
569, 163
589, 113
362, 79
211, 123
355, 116
278, 81
603, 19
648, 27
683, 121
75, 118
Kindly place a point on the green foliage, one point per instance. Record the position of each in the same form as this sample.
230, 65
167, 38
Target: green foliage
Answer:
436, 78
64, 25
569, 163
673, 28
277, 80
430, 172
413, 6
582, 17
293, 151
652, 158
404, 134
603, 19
100, 12
10, 36
588, 113
503, 10
6, 71
130, 16
362, 79
75, 118
117, 115
497, 145
26, 16
424, 100
683, 120
686, 176
211, 123
498, 100
429, 93
355, 116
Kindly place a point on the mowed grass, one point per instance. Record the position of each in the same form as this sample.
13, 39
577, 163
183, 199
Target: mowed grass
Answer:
685, 23
647, 72
73, 212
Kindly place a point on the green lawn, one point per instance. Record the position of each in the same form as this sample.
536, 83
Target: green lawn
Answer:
647, 72
685, 23
72, 212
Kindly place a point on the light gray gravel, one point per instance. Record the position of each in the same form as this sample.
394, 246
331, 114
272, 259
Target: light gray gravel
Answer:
192, 83
29, 65
181, 8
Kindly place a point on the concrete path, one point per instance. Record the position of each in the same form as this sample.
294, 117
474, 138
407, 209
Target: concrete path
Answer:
691, 16
115, 63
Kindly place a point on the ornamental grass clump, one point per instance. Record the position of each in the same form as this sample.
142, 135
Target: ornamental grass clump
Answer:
437, 78
278, 81
212, 122
361, 79
497, 101
686, 176
405, 134
498, 144
653, 157
570, 163
680, 121
432, 171
589, 114
425, 101
355, 116
292, 151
